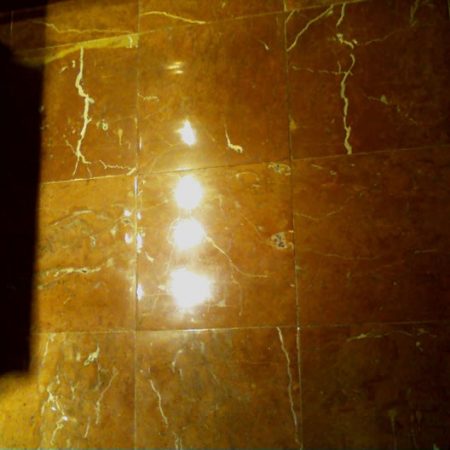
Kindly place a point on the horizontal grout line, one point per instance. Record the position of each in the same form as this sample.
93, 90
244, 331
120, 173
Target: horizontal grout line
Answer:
374, 152
164, 172
286, 160
443, 323
372, 324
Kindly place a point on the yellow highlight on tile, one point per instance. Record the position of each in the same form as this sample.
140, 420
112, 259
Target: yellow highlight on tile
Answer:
188, 193
187, 133
188, 288
188, 233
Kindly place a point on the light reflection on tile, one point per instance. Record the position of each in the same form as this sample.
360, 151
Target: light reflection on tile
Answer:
219, 240
225, 107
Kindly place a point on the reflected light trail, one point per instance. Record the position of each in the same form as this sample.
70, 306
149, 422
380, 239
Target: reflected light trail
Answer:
188, 193
189, 289
188, 233
187, 133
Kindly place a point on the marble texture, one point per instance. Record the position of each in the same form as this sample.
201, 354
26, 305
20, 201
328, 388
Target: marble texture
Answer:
85, 274
162, 13
212, 95
290, 5
239, 389
239, 239
372, 241
86, 386
382, 387
89, 131
243, 234
64, 22
382, 67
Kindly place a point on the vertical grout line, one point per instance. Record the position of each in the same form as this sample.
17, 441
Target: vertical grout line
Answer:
291, 161
136, 204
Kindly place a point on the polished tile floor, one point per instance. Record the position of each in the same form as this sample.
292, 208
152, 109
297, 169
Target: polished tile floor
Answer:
244, 225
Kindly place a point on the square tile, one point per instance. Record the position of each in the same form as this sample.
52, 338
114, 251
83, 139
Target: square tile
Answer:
376, 387
160, 13
85, 276
216, 248
372, 237
64, 22
217, 389
87, 390
212, 95
368, 76
88, 108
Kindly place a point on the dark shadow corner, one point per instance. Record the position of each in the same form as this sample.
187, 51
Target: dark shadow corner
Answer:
20, 123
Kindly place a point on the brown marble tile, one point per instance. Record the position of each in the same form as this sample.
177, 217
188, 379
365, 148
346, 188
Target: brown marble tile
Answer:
87, 391
88, 108
86, 256
212, 95
91, 129
372, 237
73, 21
217, 389
381, 387
19, 406
160, 13
289, 5
368, 76
215, 248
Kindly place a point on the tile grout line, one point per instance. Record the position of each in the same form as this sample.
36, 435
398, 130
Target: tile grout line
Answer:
291, 180
250, 163
443, 323
136, 205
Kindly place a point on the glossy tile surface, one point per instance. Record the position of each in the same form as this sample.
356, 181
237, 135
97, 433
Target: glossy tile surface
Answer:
87, 390
239, 389
89, 131
216, 248
383, 387
360, 76
160, 13
372, 237
64, 22
85, 277
290, 5
243, 225
212, 95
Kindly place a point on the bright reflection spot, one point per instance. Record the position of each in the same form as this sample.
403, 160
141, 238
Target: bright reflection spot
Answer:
128, 238
188, 192
176, 67
139, 242
188, 233
187, 133
139, 292
127, 213
188, 288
